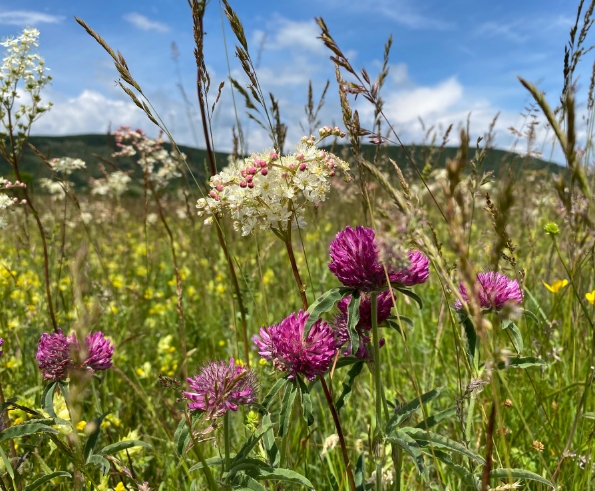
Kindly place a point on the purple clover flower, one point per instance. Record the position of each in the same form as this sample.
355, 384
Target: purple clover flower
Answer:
220, 387
355, 261
286, 346
99, 352
58, 355
494, 290
1, 343
364, 325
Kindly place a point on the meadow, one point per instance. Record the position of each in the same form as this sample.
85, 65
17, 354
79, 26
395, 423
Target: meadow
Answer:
149, 341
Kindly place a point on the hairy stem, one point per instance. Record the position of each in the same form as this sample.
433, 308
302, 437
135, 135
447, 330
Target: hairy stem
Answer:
226, 438
378, 389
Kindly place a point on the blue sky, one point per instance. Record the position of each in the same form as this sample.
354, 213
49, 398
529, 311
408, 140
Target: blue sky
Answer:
449, 59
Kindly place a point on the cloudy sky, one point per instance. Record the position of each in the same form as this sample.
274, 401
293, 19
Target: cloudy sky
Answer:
449, 60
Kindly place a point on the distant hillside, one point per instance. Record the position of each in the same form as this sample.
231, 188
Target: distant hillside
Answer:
96, 150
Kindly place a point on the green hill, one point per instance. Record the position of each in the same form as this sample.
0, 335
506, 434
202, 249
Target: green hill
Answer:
96, 151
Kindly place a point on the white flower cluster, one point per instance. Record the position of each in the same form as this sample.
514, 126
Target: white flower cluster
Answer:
67, 165
270, 191
6, 201
113, 185
55, 188
21, 64
160, 165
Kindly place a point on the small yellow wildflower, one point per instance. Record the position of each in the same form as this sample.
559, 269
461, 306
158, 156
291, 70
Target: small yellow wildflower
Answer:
18, 421
80, 426
240, 362
120, 487
590, 297
262, 362
556, 286
221, 343
537, 445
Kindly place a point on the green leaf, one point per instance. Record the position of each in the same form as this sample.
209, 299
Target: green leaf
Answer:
306, 402
252, 440
589, 415
471, 339
324, 303
410, 446
396, 321
282, 475
360, 476
408, 409
47, 398
515, 334
466, 476
270, 445
519, 474
353, 372
100, 462
210, 462
521, 362
287, 407
437, 418
181, 436
424, 438
92, 439
25, 429
46, 478
123, 445
7, 464
352, 320
345, 361
266, 402
410, 294
247, 465
531, 316
250, 484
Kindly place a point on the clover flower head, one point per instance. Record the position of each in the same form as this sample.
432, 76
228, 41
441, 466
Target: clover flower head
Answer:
270, 191
291, 351
355, 261
494, 290
58, 355
99, 352
220, 387
384, 304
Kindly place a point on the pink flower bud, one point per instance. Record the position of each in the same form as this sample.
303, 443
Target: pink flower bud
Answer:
291, 166
213, 194
242, 184
264, 171
24, 202
249, 178
332, 173
252, 170
273, 155
300, 156
8, 185
303, 166
250, 185
243, 172
220, 188
260, 163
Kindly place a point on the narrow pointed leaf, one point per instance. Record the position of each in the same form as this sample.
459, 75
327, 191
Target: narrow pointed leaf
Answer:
100, 462
252, 440
92, 438
410, 446
515, 335
25, 429
352, 320
287, 407
360, 476
46, 478
410, 294
408, 409
47, 398
324, 303
181, 437
521, 362
7, 463
266, 402
282, 475
123, 445
424, 437
519, 474
353, 372
306, 402
437, 418
270, 445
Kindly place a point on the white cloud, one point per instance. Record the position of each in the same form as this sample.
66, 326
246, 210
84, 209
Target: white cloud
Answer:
28, 18
144, 23
295, 35
89, 112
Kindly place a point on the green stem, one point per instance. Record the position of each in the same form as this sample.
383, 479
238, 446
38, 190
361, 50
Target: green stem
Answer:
226, 437
378, 431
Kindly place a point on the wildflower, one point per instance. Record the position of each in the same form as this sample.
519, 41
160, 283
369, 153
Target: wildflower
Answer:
355, 261
556, 286
493, 290
590, 297
537, 445
269, 191
1, 344
220, 386
329, 444
58, 355
285, 345
67, 165
551, 229
364, 325
113, 185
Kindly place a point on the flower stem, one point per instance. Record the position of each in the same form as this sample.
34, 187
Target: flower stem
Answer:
296, 273
327, 393
331, 405
378, 432
226, 437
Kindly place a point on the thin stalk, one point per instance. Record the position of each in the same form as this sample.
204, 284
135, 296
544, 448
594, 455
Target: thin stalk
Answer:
378, 389
226, 437
327, 393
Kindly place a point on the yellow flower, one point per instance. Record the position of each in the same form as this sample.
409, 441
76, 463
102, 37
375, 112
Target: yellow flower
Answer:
590, 297
120, 487
556, 286
262, 362
80, 426
222, 343
18, 421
